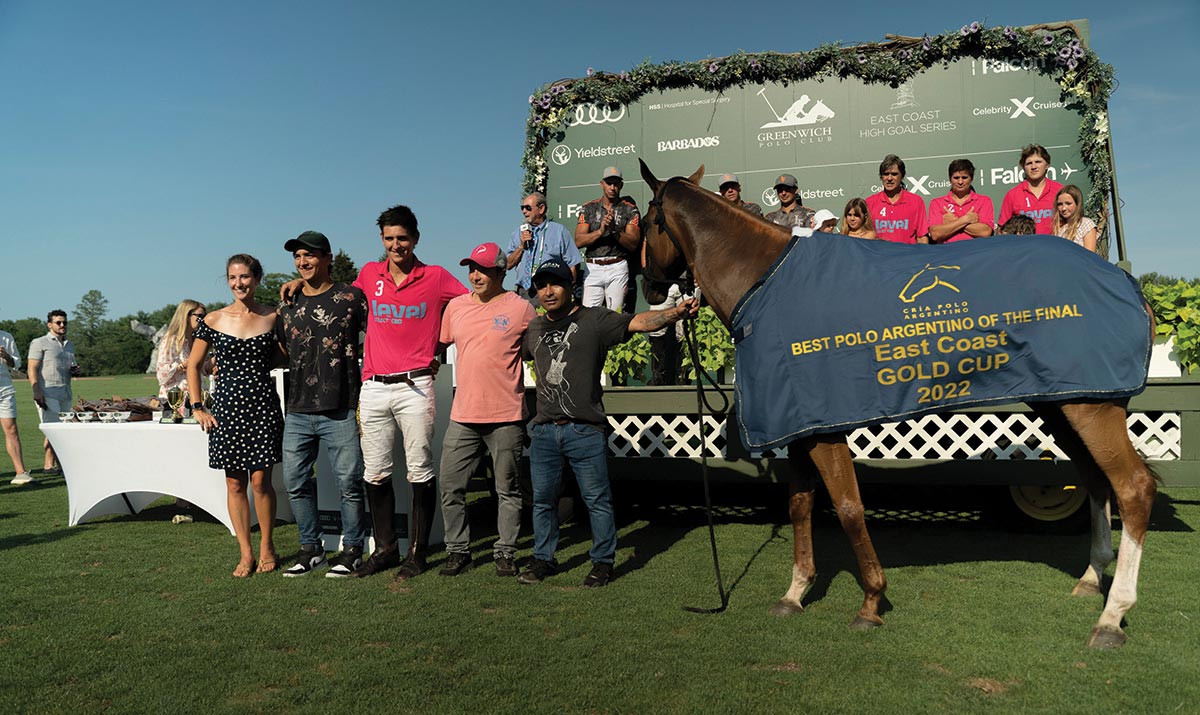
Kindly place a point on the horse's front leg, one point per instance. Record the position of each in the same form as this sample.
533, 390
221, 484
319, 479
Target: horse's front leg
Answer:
800, 508
831, 454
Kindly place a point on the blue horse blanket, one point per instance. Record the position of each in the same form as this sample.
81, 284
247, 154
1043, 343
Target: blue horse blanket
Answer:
842, 333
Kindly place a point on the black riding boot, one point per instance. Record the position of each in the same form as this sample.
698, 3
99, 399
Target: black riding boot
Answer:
382, 500
424, 498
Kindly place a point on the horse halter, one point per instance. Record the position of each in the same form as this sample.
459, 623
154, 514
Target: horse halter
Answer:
686, 283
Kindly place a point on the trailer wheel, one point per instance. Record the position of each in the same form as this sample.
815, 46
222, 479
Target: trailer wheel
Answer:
1049, 507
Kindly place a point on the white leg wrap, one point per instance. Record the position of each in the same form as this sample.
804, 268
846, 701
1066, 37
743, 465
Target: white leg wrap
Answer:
1123, 595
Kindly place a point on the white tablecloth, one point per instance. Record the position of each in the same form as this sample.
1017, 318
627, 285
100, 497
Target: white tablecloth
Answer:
120, 468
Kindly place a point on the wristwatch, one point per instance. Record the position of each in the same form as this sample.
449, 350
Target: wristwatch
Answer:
198, 407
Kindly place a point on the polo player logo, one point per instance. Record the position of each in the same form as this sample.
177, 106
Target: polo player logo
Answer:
926, 280
796, 115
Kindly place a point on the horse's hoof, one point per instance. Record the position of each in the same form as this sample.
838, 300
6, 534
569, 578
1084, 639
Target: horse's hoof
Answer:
785, 608
1105, 637
1086, 588
864, 624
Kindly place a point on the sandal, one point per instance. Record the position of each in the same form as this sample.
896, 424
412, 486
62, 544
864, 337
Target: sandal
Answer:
268, 564
244, 570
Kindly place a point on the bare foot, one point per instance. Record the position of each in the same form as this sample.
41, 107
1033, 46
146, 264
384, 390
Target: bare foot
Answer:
267, 562
244, 569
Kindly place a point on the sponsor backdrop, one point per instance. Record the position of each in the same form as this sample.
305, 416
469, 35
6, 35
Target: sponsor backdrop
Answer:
831, 135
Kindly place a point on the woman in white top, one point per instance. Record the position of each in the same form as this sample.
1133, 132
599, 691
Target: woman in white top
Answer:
176, 347
1069, 221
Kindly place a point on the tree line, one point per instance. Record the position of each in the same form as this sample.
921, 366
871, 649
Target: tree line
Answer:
110, 346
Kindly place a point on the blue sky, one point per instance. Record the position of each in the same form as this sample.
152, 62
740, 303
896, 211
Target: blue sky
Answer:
144, 142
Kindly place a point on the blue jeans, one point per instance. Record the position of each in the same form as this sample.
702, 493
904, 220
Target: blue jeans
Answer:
303, 435
586, 450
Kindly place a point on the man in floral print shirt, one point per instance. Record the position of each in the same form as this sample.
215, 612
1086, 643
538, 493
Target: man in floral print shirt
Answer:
319, 329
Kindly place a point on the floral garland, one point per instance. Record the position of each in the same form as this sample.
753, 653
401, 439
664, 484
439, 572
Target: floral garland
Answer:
1085, 80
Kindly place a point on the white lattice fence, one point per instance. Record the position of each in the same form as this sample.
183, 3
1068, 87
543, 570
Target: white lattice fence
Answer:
1003, 436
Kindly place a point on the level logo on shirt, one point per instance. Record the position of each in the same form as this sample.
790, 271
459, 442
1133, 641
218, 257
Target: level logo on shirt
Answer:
395, 314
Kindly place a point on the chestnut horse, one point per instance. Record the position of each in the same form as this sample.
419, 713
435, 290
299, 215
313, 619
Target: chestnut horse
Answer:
727, 250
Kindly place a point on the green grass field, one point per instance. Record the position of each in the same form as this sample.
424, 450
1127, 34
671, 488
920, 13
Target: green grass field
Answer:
135, 614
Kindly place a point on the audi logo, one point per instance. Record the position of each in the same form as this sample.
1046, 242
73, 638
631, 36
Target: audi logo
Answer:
561, 154
591, 114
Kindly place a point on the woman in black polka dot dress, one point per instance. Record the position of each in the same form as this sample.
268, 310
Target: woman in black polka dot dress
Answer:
246, 426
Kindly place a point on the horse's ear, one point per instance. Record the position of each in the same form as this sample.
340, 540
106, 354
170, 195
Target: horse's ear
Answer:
651, 181
697, 175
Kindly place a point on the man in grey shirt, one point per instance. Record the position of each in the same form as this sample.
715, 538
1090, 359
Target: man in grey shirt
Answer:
51, 364
791, 212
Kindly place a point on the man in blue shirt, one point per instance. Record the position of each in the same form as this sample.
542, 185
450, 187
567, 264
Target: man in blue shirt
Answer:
536, 241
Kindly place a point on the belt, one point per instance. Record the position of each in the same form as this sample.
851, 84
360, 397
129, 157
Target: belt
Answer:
562, 422
606, 261
405, 377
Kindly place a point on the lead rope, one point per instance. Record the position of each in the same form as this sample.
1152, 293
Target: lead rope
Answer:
689, 335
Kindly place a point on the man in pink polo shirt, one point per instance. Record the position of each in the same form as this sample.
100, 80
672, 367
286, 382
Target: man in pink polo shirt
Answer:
406, 299
961, 214
899, 214
487, 327
1033, 197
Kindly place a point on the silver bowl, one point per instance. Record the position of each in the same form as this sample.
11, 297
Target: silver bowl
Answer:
85, 416
105, 416
122, 416
66, 416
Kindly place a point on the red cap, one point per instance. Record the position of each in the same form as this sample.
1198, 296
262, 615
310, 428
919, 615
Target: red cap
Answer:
487, 255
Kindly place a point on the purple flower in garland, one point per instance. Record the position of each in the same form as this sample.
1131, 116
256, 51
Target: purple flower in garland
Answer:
1010, 32
975, 27
755, 67
1065, 52
531, 99
545, 103
625, 76
591, 72
862, 58
713, 67
1048, 40
1072, 63
904, 54
969, 29
927, 44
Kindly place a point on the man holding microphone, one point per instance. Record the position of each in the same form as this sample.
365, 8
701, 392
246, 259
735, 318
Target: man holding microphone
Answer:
536, 241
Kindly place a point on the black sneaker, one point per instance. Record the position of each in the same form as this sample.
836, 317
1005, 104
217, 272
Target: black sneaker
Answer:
600, 576
312, 557
505, 566
345, 563
455, 564
537, 572
381, 560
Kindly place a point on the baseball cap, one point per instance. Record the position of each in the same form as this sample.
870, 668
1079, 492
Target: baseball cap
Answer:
786, 180
309, 239
554, 267
612, 172
487, 255
821, 217
728, 179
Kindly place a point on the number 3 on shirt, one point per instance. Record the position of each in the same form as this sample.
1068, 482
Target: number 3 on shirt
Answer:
378, 288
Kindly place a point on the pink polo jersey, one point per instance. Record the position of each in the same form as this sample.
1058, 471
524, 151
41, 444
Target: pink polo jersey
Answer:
491, 376
980, 204
406, 319
899, 222
1020, 200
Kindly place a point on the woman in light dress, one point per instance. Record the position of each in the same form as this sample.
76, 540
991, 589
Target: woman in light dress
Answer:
1069, 221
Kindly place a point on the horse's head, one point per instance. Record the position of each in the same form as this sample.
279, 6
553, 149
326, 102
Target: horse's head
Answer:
662, 255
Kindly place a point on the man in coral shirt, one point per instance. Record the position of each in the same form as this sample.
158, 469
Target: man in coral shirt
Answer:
487, 327
961, 214
899, 214
406, 299
1033, 197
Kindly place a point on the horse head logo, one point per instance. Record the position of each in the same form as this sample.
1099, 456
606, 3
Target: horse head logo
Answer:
925, 280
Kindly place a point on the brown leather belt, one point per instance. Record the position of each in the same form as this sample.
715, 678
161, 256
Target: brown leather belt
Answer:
606, 261
405, 377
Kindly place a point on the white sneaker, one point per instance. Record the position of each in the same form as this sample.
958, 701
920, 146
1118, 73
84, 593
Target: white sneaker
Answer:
22, 478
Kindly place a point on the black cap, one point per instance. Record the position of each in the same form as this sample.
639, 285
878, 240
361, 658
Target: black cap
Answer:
309, 239
554, 267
